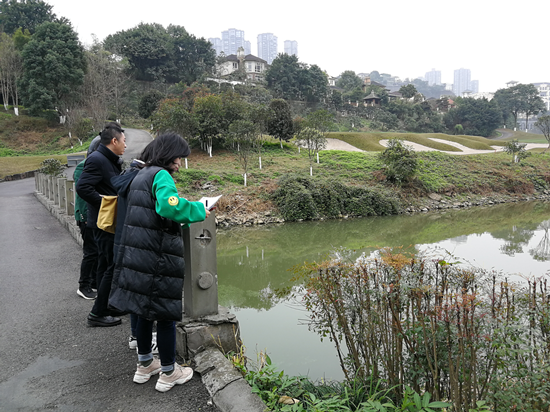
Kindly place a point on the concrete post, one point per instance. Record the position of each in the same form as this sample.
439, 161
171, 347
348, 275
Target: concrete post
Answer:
62, 190
55, 181
69, 195
200, 291
50, 188
204, 323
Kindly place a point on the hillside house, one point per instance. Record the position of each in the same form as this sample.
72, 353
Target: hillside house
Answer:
253, 66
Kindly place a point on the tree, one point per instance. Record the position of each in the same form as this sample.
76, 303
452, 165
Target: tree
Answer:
25, 14
174, 115
105, 84
241, 139
354, 95
147, 48
191, 57
21, 38
408, 91
166, 55
149, 103
533, 104
521, 98
349, 81
11, 67
283, 77
320, 120
260, 114
517, 150
314, 83
210, 117
53, 68
314, 141
478, 117
375, 76
289, 79
543, 124
280, 123
335, 100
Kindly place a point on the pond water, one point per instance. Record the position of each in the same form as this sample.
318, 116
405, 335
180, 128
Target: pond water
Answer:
255, 261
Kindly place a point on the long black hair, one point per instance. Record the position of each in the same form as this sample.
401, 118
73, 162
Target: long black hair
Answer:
166, 148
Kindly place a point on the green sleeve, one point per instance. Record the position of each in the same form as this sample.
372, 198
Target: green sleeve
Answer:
170, 206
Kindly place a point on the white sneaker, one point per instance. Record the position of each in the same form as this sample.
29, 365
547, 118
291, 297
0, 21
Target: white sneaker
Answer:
132, 342
178, 377
143, 374
154, 346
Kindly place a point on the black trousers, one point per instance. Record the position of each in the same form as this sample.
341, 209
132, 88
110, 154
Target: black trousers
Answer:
105, 266
88, 267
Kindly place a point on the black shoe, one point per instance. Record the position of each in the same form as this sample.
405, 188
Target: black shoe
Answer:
116, 312
94, 320
86, 292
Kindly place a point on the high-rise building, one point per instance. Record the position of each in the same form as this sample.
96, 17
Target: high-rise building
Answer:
291, 47
267, 47
216, 44
247, 48
232, 39
474, 86
461, 81
433, 77
544, 93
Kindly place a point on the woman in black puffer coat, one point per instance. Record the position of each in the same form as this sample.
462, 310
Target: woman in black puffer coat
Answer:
150, 267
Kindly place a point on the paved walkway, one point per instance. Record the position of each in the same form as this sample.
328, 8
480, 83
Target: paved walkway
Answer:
50, 359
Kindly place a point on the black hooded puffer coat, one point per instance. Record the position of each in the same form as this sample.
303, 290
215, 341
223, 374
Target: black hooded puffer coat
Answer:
148, 277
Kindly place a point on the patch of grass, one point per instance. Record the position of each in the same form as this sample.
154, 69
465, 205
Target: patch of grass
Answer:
522, 137
370, 141
20, 164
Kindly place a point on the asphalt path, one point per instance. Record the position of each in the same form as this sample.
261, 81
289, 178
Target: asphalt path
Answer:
136, 140
50, 359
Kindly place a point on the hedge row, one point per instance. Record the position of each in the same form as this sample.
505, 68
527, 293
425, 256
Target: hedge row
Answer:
299, 197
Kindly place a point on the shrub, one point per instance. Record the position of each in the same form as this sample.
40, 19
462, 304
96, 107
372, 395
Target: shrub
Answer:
51, 167
295, 201
457, 332
400, 161
299, 197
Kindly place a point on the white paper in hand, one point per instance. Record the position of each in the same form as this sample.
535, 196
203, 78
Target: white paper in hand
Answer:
210, 202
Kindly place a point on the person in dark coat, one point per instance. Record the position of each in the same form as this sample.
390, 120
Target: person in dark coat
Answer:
148, 279
95, 182
88, 266
122, 184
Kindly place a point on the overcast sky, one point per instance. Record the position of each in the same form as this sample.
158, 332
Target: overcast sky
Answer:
496, 40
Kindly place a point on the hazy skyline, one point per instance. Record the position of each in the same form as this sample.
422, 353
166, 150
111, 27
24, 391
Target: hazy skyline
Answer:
404, 38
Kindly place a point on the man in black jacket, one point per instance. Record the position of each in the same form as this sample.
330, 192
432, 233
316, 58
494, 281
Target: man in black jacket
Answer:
95, 182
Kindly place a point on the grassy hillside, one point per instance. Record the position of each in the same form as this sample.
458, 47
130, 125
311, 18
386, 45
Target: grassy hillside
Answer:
449, 175
453, 177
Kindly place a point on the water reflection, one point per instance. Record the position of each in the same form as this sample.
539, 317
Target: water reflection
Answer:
254, 261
